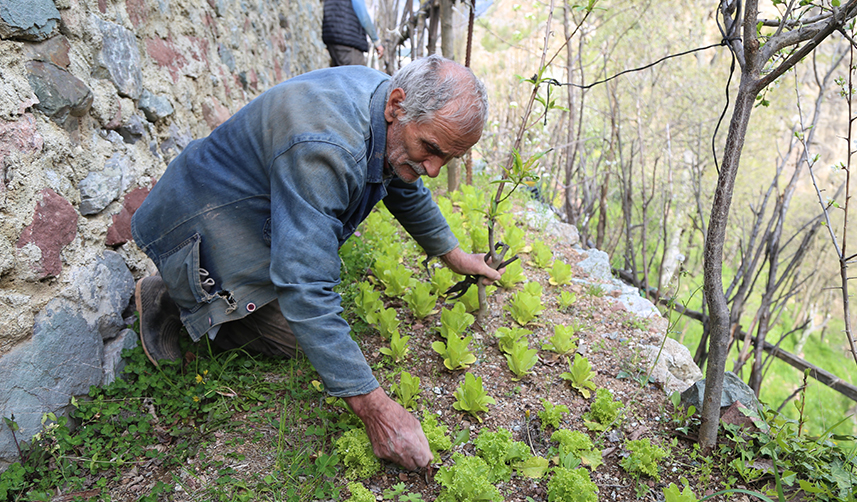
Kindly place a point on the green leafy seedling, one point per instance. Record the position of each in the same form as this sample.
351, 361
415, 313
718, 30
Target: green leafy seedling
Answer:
367, 301
580, 375
395, 277
356, 453
534, 288
398, 349
455, 320
471, 397
552, 414
603, 411
513, 275
534, 467
386, 322
563, 341
455, 352
508, 337
560, 273
499, 451
672, 494
436, 434
466, 479
643, 459
420, 299
514, 238
571, 485
470, 299
524, 307
441, 280
541, 255
359, 493
521, 359
407, 390
578, 445
566, 299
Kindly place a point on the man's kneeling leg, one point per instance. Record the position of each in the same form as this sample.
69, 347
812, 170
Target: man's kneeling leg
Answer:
265, 331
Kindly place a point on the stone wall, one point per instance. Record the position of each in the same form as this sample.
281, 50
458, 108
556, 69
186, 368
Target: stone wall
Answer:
96, 97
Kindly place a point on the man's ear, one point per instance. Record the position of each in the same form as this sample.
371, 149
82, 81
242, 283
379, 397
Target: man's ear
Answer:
393, 109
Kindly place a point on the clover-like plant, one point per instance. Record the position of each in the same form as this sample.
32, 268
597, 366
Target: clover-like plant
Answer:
455, 320
514, 274
398, 349
521, 359
420, 299
455, 352
471, 397
407, 390
552, 414
563, 341
524, 307
560, 273
507, 337
580, 375
541, 255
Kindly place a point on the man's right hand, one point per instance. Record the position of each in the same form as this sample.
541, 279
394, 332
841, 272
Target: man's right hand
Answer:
396, 435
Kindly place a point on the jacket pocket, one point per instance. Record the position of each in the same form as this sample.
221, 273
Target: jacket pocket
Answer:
179, 268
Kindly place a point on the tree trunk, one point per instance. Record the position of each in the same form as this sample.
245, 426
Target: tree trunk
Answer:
447, 47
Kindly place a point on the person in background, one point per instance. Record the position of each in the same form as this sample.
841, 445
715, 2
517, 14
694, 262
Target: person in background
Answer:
343, 30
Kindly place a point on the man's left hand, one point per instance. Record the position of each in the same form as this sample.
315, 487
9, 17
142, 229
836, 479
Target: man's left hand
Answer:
471, 264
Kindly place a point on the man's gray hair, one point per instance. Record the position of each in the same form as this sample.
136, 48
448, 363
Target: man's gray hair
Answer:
433, 82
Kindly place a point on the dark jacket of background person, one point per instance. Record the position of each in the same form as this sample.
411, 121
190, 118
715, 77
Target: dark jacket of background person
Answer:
341, 26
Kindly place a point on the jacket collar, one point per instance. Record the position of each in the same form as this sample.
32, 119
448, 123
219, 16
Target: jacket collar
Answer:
378, 134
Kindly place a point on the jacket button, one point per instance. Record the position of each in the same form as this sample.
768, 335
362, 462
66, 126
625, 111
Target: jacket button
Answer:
251, 307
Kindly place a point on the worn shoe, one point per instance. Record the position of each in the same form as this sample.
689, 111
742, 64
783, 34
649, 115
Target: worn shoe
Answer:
160, 323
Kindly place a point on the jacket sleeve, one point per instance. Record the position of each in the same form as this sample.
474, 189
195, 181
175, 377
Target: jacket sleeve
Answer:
312, 183
363, 15
413, 206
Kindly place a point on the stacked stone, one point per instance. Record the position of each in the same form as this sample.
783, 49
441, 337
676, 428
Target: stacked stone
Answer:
96, 97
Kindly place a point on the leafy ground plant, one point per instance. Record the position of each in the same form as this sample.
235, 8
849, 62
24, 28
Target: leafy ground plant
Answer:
420, 299
407, 390
471, 396
571, 485
603, 411
580, 375
398, 348
521, 359
508, 337
563, 341
355, 450
524, 307
643, 459
552, 414
466, 480
455, 352
560, 273
541, 255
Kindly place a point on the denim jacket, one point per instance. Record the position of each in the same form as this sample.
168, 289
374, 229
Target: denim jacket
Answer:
263, 204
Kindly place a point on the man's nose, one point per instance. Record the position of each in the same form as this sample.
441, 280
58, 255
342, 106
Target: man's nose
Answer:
432, 166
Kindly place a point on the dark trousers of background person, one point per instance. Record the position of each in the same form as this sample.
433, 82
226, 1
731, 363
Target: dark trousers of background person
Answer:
343, 55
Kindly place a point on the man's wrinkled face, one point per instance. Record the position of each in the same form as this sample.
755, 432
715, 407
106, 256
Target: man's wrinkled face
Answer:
415, 149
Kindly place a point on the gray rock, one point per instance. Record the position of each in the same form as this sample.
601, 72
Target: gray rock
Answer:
28, 19
675, 369
60, 93
99, 189
119, 59
61, 360
734, 389
226, 57
112, 362
133, 130
597, 264
154, 107
105, 289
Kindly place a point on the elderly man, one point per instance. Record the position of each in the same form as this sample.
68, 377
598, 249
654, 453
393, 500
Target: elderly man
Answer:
245, 224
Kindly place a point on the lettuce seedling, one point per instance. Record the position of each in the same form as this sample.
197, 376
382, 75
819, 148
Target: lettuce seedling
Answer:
560, 273
420, 299
407, 390
524, 307
359, 493
441, 280
541, 255
455, 352
498, 450
478, 239
534, 467
437, 436
578, 446
514, 238
470, 299
367, 301
471, 396
466, 481
672, 494
580, 375
398, 347
563, 341
386, 321
508, 337
514, 274
534, 288
643, 459
552, 414
455, 320
566, 299
355, 450
394, 276
571, 485
603, 411
521, 359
